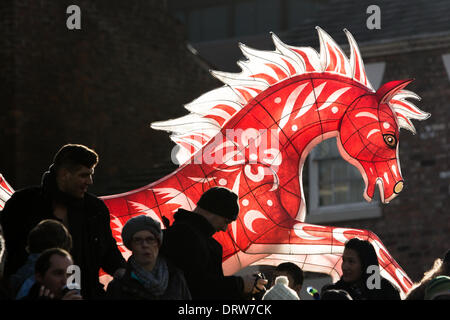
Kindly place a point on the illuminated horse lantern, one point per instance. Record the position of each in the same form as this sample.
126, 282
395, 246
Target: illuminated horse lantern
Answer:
292, 98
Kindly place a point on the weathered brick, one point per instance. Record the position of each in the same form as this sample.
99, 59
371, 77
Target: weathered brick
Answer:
101, 86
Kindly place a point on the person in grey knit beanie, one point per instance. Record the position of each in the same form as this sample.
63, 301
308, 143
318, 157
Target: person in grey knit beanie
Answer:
149, 275
141, 223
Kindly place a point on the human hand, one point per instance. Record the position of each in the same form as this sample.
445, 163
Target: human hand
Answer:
45, 293
252, 285
259, 285
72, 295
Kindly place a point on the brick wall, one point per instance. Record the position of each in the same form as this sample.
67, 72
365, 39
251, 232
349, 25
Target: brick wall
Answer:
101, 86
7, 126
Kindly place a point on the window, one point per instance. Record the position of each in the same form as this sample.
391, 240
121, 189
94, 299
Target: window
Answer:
336, 188
340, 181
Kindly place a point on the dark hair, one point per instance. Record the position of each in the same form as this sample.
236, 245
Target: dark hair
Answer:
49, 234
43, 262
71, 156
366, 253
293, 270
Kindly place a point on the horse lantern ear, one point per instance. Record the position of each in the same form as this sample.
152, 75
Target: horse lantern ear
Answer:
388, 90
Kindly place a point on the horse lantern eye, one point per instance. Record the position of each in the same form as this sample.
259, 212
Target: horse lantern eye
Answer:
390, 140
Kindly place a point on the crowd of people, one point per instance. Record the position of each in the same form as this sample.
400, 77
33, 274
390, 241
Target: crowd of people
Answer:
53, 227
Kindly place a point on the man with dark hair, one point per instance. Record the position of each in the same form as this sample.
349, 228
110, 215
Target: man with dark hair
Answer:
63, 196
51, 277
189, 243
294, 274
46, 235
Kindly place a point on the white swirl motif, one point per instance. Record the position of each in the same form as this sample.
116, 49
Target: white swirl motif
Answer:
338, 234
254, 177
250, 217
298, 229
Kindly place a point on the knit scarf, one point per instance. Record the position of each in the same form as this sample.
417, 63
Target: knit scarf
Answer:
154, 281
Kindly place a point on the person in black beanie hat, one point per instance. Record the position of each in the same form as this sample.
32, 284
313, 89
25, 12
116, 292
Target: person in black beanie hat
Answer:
222, 203
189, 243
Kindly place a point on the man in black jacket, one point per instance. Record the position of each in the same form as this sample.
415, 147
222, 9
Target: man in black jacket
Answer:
189, 243
63, 196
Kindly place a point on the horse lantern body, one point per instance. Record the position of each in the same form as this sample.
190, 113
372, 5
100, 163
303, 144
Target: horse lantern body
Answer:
253, 135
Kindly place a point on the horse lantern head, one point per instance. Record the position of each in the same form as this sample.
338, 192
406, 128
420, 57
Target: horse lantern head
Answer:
369, 136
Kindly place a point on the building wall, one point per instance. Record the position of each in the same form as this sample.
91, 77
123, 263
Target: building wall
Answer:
7, 125
100, 86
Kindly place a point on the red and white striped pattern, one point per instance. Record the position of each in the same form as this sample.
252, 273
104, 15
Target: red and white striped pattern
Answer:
6, 191
405, 110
